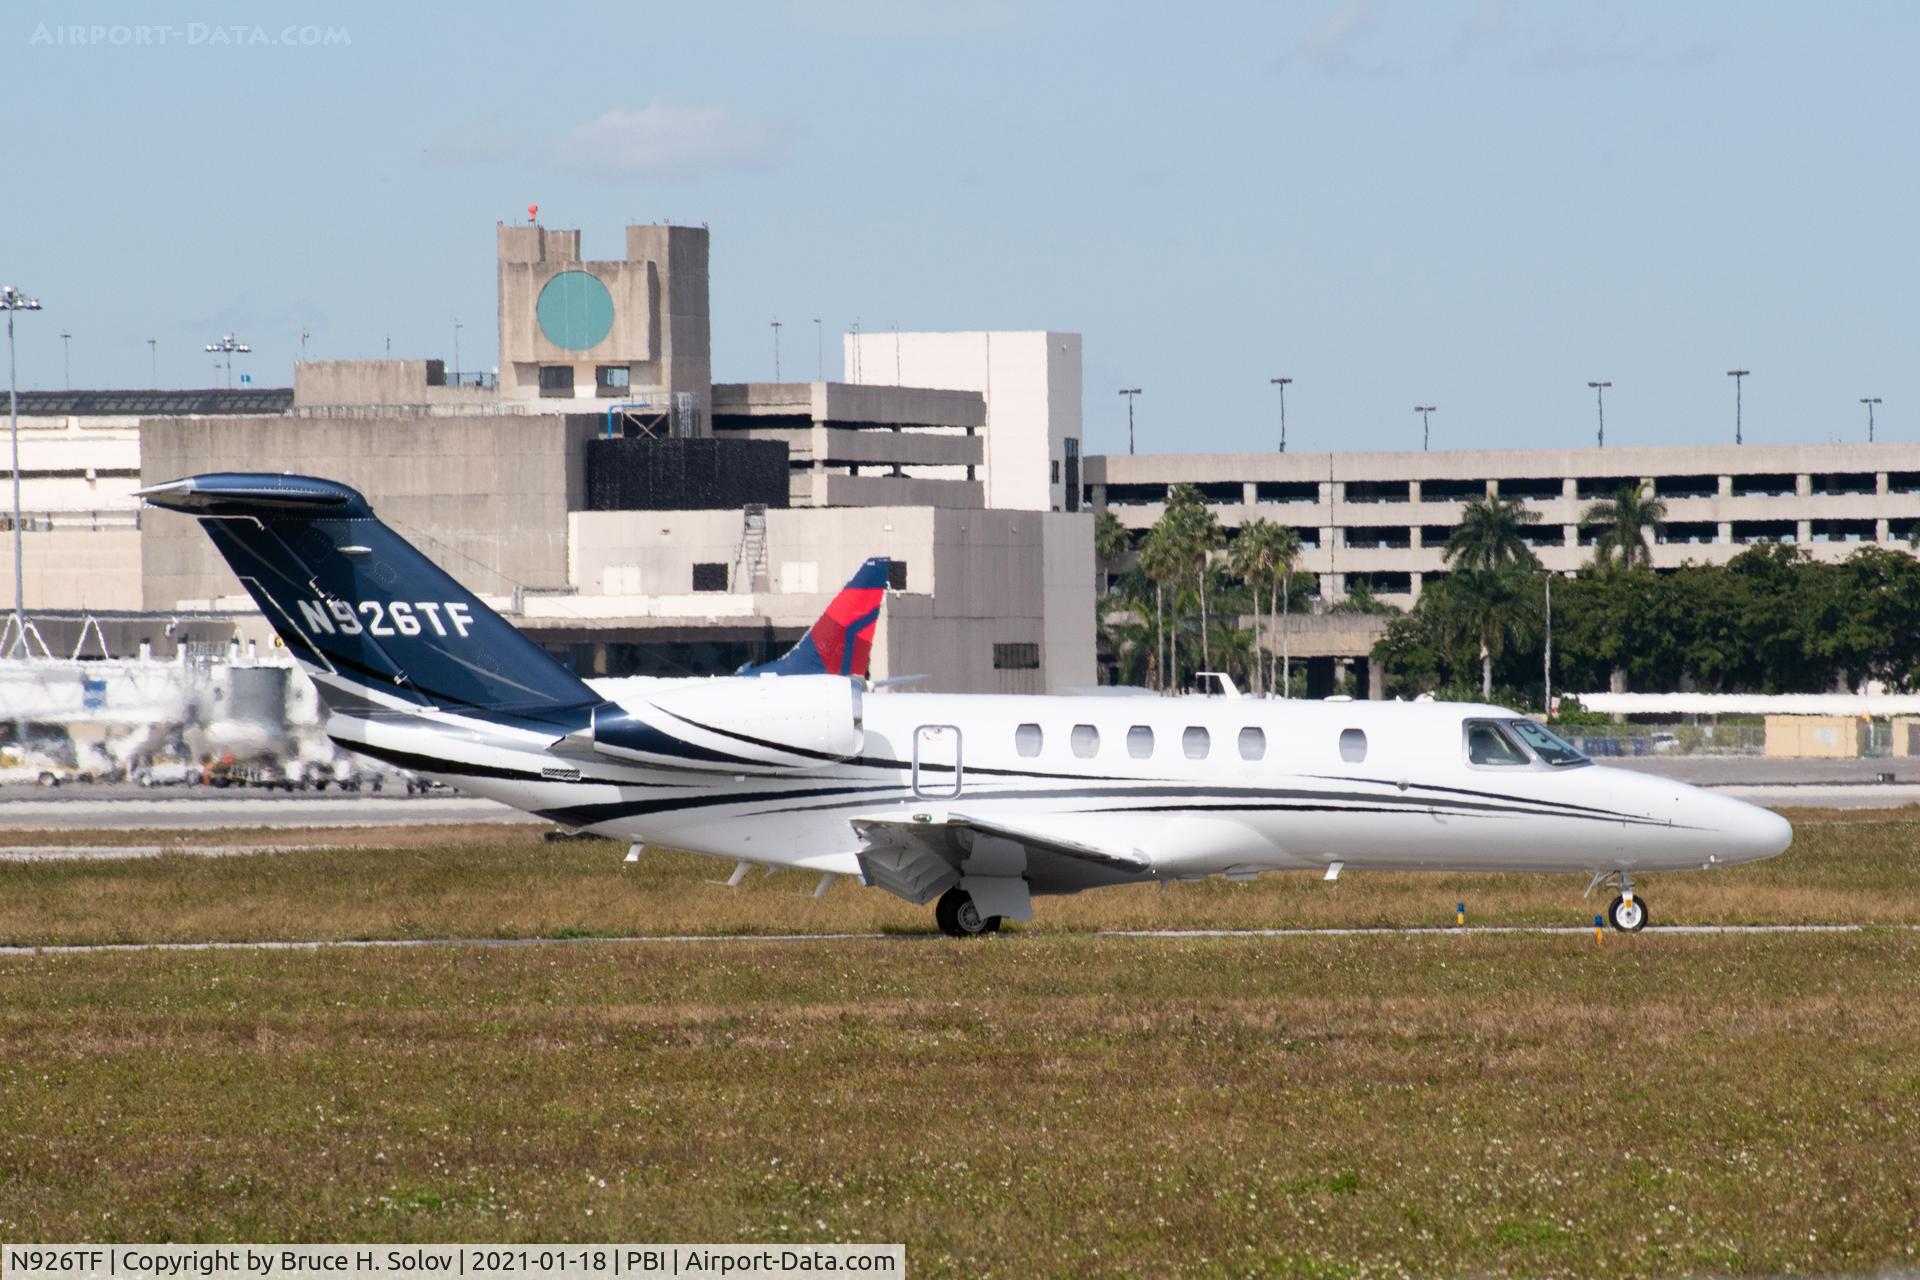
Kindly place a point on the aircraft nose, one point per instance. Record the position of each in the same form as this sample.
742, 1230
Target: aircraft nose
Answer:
1750, 832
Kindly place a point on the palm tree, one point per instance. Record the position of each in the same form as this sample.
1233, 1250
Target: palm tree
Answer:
1195, 535
1286, 556
1205, 536
1625, 521
1130, 639
1494, 606
1489, 534
1161, 560
1260, 556
1111, 540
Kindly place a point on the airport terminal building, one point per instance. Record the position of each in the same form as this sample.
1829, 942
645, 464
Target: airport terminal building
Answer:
611, 499
607, 496
1385, 517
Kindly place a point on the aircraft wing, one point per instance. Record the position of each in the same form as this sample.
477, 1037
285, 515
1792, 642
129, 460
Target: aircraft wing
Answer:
918, 860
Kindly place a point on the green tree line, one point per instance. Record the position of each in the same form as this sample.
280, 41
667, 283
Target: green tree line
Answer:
1176, 609
1770, 620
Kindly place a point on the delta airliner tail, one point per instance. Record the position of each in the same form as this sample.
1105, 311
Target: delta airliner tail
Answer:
841, 642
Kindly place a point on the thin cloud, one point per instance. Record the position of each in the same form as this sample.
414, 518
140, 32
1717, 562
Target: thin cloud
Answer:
659, 140
1334, 45
1486, 25
1331, 41
666, 141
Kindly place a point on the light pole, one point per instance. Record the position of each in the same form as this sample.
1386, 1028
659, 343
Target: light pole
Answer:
227, 346
1600, 403
456, 353
1282, 384
1423, 410
776, 351
12, 300
66, 358
1737, 375
304, 335
819, 351
1129, 393
1869, 401
153, 360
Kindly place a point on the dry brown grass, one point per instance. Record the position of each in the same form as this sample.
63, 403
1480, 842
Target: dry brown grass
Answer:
1041, 1104
502, 881
409, 836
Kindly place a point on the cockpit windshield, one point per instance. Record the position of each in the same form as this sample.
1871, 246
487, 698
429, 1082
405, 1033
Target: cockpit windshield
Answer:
1546, 744
1488, 743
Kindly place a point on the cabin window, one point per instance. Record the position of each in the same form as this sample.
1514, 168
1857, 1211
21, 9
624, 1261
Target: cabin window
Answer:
1195, 742
710, 576
1353, 745
1027, 739
1547, 744
1140, 742
1488, 743
1253, 743
1085, 741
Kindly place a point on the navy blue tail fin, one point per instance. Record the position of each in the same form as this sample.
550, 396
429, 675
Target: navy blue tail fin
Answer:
841, 642
373, 620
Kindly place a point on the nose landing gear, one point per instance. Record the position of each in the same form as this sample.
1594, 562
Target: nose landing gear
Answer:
958, 917
1627, 913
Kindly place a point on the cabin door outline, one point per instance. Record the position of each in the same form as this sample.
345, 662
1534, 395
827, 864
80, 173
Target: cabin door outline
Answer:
937, 761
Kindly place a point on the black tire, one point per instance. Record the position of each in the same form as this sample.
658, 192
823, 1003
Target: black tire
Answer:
1627, 920
959, 918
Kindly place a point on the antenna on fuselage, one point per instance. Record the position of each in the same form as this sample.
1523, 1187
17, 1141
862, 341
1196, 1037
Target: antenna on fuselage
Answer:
1227, 688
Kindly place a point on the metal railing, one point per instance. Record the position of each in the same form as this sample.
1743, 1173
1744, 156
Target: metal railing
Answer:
1642, 740
95, 521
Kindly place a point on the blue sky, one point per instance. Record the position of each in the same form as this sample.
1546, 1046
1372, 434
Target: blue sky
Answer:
1475, 205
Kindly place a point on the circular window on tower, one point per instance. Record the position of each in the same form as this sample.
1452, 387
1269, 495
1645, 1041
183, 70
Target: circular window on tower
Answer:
575, 311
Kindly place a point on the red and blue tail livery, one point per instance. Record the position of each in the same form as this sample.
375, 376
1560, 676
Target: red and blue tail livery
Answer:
841, 642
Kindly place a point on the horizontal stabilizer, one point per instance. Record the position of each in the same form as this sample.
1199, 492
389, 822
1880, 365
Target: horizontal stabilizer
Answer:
240, 493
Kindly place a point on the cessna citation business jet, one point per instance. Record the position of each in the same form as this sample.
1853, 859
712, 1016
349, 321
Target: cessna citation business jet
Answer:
976, 803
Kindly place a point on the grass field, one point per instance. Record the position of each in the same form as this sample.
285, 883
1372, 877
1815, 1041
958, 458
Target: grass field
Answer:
1043, 1103
502, 881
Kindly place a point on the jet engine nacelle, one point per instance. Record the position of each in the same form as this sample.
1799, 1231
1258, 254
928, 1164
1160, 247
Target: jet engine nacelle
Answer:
779, 722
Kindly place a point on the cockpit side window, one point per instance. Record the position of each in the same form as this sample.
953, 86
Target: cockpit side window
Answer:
1547, 744
1489, 743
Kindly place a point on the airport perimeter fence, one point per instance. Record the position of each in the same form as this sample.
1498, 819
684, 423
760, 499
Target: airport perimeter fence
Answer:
1638, 740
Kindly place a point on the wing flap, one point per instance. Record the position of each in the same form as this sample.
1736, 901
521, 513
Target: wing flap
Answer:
917, 860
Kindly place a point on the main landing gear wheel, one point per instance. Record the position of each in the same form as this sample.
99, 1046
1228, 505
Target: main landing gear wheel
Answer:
959, 918
1628, 915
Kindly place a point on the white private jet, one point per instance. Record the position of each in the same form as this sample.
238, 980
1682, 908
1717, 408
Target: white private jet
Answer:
976, 803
